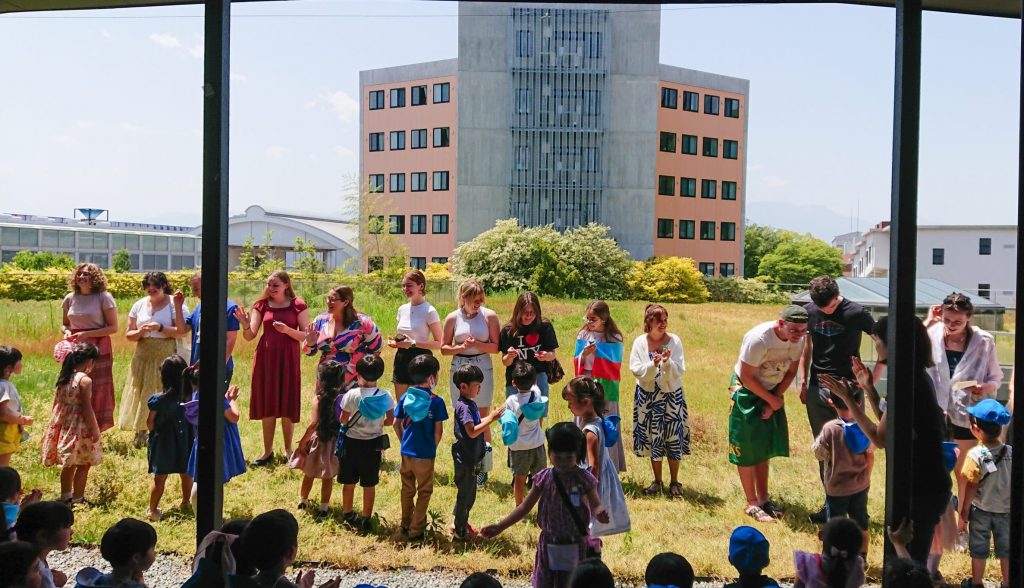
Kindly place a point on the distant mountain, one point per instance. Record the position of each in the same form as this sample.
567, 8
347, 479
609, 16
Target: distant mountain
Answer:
820, 221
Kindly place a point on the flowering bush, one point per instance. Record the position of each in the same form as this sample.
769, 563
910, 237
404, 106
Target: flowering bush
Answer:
667, 279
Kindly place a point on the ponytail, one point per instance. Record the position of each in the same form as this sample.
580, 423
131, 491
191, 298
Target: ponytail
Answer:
190, 378
330, 383
841, 543
82, 353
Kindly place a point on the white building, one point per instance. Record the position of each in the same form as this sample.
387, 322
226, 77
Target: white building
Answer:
980, 259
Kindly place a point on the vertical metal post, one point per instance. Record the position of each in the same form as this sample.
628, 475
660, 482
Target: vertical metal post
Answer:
210, 455
1017, 473
903, 264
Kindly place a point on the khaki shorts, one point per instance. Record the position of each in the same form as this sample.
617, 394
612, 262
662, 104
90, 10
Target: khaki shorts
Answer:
527, 462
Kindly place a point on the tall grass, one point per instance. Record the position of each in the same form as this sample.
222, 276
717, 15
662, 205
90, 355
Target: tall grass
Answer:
697, 526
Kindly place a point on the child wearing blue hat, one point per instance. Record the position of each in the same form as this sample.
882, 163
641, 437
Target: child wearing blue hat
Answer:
986, 501
526, 455
748, 553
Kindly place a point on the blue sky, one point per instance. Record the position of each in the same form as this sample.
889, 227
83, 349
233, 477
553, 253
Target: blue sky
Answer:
103, 108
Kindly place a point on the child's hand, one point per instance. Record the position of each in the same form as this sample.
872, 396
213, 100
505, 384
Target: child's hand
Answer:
602, 516
232, 393
903, 534
861, 373
26, 420
962, 524
33, 497
305, 579
490, 531
59, 578
589, 349
496, 413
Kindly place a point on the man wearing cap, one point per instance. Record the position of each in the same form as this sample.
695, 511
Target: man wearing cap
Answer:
758, 430
835, 326
986, 501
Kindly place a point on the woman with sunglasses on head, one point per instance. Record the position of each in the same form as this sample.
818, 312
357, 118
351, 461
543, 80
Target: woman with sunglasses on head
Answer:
342, 333
276, 379
419, 329
966, 369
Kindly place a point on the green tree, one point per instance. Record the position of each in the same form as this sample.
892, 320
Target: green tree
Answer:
758, 241
122, 261
258, 260
799, 260
308, 260
379, 248
41, 260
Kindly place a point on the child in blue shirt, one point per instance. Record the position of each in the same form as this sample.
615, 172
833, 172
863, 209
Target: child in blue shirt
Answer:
468, 450
419, 420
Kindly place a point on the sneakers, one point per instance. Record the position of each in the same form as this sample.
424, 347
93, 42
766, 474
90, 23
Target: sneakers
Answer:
153, 515
820, 517
481, 479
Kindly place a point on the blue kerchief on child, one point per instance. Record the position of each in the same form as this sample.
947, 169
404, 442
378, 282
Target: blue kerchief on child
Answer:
856, 440
374, 407
509, 427
535, 410
610, 424
949, 455
416, 404
11, 513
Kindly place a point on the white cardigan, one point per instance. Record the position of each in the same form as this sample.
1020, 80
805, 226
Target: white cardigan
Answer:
669, 377
979, 363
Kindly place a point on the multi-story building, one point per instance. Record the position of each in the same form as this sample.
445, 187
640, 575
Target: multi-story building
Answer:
561, 115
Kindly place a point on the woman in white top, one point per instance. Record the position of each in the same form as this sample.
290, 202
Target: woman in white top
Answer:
471, 335
661, 424
90, 316
419, 329
966, 369
154, 322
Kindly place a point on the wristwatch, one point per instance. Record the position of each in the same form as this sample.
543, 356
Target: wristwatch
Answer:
412, 343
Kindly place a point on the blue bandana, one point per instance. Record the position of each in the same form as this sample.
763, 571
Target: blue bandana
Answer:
533, 411
509, 427
610, 424
856, 440
374, 407
11, 513
416, 404
949, 455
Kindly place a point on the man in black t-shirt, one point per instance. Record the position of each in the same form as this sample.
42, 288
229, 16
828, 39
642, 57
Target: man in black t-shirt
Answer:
835, 326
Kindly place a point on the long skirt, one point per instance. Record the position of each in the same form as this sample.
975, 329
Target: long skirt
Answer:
143, 380
102, 376
661, 424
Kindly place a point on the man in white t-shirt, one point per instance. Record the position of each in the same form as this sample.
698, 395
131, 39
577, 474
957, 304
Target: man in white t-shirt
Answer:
758, 430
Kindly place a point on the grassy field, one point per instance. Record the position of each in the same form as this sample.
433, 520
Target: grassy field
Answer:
697, 526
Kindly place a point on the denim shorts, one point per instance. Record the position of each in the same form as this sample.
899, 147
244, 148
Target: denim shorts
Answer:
982, 525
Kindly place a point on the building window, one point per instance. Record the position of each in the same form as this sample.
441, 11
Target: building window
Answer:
690, 101
707, 230
689, 146
669, 98
440, 181
686, 228
524, 43
668, 142
439, 260
160, 243
592, 159
707, 268
732, 108
522, 157
710, 147
154, 262
591, 102
688, 187
665, 228
523, 100
375, 183
175, 245
397, 224
376, 99
376, 141
938, 256
592, 41
441, 137
728, 190
418, 182
984, 290
730, 149
398, 140
728, 231
419, 263
131, 243
148, 242
667, 185
442, 93
710, 104
397, 183
180, 262
397, 97
418, 224
727, 270
418, 137
419, 95
440, 224
985, 246
708, 189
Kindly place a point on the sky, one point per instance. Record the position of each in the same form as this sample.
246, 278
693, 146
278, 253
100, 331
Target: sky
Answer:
103, 109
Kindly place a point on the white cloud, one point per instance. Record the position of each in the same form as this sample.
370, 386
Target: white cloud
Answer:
63, 139
237, 77
275, 152
130, 127
105, 33
344, 106
168, 41
344, 152
310, 105
164, 40
86, 124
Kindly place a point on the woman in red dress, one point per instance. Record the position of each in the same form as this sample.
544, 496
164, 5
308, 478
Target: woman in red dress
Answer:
276, 384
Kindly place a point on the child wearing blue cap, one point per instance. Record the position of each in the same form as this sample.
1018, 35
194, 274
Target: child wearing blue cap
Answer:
526, 455
986, 501
748, 553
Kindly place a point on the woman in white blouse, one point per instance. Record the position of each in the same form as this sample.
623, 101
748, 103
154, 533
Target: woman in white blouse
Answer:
419, 329
661, 426
154, 322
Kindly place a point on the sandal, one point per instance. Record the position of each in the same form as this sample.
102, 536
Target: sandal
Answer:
675, 490
773, 509
758, 514
654, 489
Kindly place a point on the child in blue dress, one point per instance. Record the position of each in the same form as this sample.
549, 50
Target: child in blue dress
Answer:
234, 461
170, 436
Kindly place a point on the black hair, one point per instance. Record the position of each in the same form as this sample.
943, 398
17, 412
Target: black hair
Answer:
591, 573
171, 369
959, 303
480, 580
991, 430
330, 382
214, 552
190, 378
524, 375
586, 387
46, 517
158, 279
9, 357
922, 343
422, 367
566, 438
841, 540
467, 373
669, 569
907, 573
10, 482
824, 290
269, 537
82, 353
370, 367
839, 403
127, 538
17, 558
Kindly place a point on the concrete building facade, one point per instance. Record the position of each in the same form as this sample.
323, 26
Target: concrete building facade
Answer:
558, 120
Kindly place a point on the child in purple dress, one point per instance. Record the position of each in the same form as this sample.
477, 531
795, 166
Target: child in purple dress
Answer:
568, 498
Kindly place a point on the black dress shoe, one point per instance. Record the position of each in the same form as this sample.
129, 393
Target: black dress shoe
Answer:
262, 462
820, 517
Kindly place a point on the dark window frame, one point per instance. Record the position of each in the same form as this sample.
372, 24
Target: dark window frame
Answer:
687, 229
418, 178
664, 223
726, 269
731, 107
445, 91
687, 187
418, 95
985, 246
729, 189
729, 235
709, 189
396, 224
446, 183
669, 98
439, 224
705, 234
709, 147
396, 98
728, 153
667, 142
375, 142
938, 256
666, 185
400, 136
688, 144
691, 101
711, 104
376, 99
422, 143
442, 137
417, 221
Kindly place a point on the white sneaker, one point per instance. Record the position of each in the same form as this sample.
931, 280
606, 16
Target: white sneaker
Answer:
154, 515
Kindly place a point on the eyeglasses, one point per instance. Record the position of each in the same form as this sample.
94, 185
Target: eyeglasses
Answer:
957, 301
333, 299
590, 319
